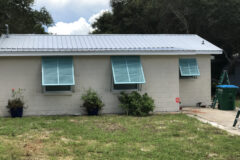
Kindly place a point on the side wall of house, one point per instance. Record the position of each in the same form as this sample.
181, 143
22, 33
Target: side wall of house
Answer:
197, 90
161, 73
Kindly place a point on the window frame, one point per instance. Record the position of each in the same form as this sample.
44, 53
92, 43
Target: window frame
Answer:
188, 77
58, 93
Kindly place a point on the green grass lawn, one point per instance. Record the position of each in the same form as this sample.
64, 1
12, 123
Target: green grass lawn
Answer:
115, 137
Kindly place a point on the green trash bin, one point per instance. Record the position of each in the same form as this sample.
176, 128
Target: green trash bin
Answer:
226, 96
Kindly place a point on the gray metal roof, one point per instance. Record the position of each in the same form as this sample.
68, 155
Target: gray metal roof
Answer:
156, 44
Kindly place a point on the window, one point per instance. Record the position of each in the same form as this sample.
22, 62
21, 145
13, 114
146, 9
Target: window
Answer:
189, 67
57, 74
125, 87
127, 72
58, 88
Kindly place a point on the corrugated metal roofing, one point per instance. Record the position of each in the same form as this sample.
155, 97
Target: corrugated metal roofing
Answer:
106, 44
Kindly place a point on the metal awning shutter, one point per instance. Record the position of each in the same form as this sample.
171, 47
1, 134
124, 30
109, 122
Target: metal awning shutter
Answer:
57, 71
127, 70
189, 67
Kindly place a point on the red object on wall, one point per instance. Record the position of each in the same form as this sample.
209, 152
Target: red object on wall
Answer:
178, 100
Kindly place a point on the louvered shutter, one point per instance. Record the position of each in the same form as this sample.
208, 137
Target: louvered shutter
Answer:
127, 70
57, 71
189, 67
66, 72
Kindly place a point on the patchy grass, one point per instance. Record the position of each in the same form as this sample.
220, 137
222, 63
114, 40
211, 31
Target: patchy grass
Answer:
115, 137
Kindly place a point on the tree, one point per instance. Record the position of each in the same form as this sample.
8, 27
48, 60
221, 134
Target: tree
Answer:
21, 18
215, 20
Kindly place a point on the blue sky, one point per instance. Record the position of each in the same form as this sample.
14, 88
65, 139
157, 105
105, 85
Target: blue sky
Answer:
73, 16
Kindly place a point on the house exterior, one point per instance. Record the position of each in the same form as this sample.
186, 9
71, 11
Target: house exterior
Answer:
56, 70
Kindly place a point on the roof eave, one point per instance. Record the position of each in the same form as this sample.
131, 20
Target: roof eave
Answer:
107, 53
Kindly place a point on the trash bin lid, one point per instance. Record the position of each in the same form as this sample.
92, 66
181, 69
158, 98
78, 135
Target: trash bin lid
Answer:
227, 86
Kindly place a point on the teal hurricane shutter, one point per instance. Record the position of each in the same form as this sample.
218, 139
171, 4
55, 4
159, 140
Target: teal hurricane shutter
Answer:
135, 69
189, 67
49, 71
57, 71
127, 70
119, 68
66, 71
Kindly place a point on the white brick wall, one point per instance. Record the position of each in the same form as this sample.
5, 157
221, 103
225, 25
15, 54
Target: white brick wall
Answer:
161, 73
162, 82
197, 90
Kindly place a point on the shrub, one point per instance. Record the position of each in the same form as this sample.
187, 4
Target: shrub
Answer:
15, 105
92, 101
17, 100
136, 104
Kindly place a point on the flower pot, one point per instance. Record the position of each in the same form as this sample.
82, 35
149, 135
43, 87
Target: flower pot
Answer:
93, 111
16, 112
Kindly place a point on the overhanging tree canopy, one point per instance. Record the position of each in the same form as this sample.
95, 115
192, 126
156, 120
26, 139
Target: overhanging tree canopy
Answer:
215, 20
21, 18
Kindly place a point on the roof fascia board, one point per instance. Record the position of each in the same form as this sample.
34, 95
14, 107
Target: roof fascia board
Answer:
107, 53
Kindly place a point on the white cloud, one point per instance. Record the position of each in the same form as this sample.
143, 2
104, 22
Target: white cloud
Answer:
93, 18
81, 26
71, 10
57, 3
61, 3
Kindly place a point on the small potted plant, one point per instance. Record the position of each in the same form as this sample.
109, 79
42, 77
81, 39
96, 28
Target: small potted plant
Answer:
16, 104
92, 103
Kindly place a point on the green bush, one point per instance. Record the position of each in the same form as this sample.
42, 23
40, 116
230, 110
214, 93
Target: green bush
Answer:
15, 103
92, 101
17, 100
136, 104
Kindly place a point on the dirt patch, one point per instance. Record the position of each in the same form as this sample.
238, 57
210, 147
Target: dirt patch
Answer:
112, 127
33, 148
211, 155
42, 135
66, 158
74, 120
33, 144
65, 140
161, 127
155, 126
147, 149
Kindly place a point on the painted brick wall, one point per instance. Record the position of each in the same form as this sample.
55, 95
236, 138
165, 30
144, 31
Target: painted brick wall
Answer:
162, 81
161, 73
197, 90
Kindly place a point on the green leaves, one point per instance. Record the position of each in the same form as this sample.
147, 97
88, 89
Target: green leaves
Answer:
136, 104
21, 18
217, 21
92, 100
